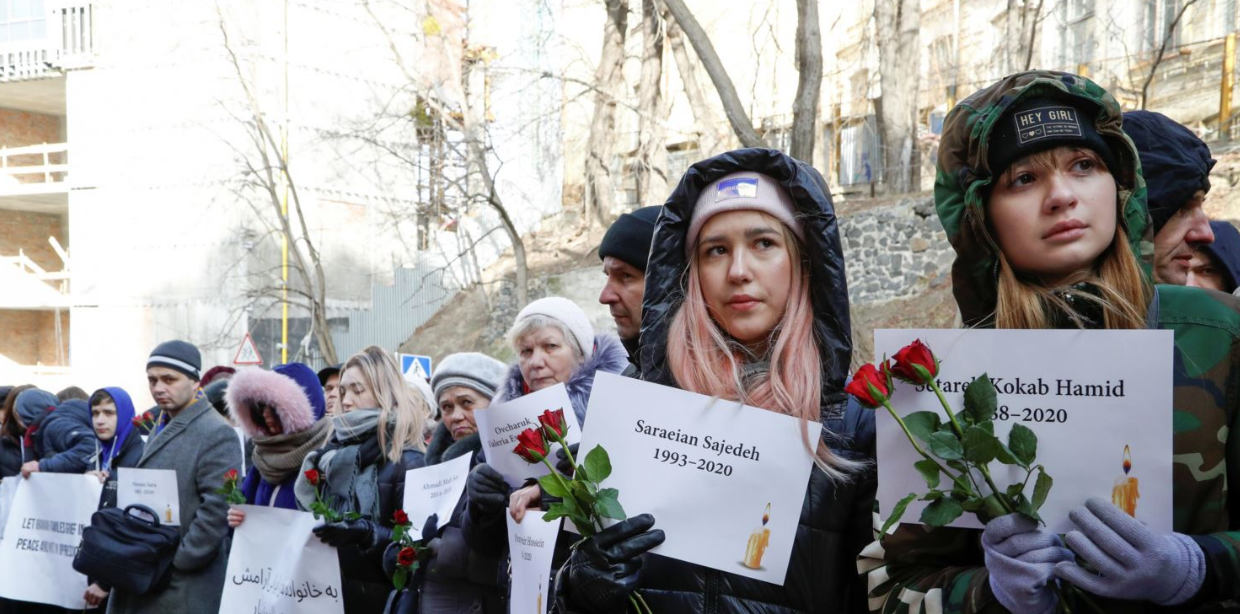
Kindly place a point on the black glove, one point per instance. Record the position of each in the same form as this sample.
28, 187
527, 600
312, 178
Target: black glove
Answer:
561, 460
603, 572
361, 533
487, 491
430, 529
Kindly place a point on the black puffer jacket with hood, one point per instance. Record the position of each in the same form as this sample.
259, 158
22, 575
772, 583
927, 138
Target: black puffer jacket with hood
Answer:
835, 518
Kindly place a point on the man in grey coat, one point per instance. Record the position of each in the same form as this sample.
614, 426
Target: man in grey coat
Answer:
192, 439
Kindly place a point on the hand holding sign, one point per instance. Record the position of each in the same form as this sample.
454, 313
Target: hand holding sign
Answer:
500, 425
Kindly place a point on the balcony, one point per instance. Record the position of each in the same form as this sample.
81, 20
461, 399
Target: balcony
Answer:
35, 178
50, 37
29, 286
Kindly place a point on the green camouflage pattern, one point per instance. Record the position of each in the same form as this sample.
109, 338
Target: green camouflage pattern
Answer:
963, 175
916, 568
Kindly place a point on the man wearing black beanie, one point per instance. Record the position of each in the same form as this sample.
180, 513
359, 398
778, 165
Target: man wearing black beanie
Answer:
625, 250
1176, 165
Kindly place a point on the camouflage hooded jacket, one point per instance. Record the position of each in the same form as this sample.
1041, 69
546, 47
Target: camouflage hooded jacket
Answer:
914, 567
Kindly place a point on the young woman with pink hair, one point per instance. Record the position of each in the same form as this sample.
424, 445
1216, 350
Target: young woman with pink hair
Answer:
746, 299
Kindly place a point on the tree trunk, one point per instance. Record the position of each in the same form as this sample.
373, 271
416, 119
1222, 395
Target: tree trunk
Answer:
599, 186
809, 82
898, 61
710, 139
651, 143
732, 106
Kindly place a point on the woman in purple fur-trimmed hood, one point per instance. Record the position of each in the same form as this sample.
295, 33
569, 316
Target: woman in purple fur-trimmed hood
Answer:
278, 415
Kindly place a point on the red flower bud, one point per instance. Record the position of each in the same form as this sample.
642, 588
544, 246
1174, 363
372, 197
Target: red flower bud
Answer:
136, 421
531, 446
231, 476
312, 476
553, 424
400, 517
406, 557
915, 355
869, 385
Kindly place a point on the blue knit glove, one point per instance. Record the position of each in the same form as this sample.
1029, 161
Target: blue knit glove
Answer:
1132, 561
1021, 558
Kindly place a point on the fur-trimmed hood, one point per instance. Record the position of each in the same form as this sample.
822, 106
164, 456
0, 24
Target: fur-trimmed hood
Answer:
253, 385
609, 357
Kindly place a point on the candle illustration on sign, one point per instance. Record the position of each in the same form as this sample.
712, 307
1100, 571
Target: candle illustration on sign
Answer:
168, 513
1124, 494
540, 608
758, 542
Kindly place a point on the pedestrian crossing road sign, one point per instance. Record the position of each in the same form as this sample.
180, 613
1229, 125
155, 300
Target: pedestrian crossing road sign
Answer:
413, 364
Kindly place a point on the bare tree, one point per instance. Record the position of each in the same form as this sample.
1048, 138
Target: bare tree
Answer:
609, 72
652, 145
809, 81
267, 168
1168, 34
732, 106
471, 124
710, 136
898, 24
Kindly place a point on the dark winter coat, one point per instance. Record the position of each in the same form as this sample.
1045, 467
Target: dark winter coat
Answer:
365, 586
68, 439
458, 578
836, 516
1225, 250
200, 447
128, 456
10, 457
489, 536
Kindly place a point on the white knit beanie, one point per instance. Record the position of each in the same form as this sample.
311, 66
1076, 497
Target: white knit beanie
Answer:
567, 313
744, 191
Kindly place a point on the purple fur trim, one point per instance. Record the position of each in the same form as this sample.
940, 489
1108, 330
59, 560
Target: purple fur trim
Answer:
253, 385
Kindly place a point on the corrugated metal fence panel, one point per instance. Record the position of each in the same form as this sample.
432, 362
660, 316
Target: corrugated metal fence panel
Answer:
396, 311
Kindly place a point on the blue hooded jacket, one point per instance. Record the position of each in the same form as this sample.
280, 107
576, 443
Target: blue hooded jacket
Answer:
110, 450
68, 439
1225, 250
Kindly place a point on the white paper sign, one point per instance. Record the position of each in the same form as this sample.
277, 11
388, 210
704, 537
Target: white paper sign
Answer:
531, 544
42, 536
1087, 395
434, 490
724, 481
277, 566
8, 490
499, 425
154, 488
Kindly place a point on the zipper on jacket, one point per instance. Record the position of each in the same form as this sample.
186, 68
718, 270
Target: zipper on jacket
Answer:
711, 605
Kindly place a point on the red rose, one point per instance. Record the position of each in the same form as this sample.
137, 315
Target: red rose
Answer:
915, 364
312, 476
147, 417
531, 446
869, 386
136, 421
553, 424
400, 517
231, 476
406, 557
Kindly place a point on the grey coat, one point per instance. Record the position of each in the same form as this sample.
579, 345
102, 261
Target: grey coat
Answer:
201, 447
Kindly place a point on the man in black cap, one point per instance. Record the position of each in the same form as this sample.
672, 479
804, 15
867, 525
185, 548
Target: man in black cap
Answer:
192, 440
1176, 165
329, 379
625, 250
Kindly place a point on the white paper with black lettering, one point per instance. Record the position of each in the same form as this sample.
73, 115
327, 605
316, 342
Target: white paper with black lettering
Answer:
531, 545
724, 481
277, 566
434, 490
42, 535
1086, 394
154, 488
499, 425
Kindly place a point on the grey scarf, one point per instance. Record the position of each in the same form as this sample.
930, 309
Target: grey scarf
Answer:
279, 456
351, 478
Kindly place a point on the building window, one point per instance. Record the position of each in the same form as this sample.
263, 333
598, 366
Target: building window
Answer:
1077, 34
1157, 18
22, 21
860, 155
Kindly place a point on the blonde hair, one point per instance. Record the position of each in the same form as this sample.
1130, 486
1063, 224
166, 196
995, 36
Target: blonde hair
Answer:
702, 360
1123, 290
400, 410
